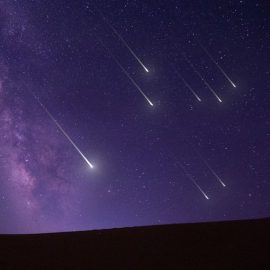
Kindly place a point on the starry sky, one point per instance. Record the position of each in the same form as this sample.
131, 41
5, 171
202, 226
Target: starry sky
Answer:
152, 164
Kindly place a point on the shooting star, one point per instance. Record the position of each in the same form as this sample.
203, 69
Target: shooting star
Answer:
201, 77
193, 181
188, 86
216, 63
121, 38
64, 132
215, 174
126, 73
207, 165
212, 170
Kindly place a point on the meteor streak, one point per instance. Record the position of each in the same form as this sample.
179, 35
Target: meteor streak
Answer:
212, 171
208, 166
216, 63
188, 86
126, 73
201, 77
64, 133
121, 39
193, 181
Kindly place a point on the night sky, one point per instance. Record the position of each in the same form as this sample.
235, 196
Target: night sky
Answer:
155, 164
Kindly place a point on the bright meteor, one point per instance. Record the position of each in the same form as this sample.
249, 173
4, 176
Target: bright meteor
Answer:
209, 167
216, 63
201, 77
64, 133
194, 182
127, 74
188, 86
213, 172
121, 39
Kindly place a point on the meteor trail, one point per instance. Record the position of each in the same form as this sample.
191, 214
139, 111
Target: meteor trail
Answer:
64, 133
207, 165
216, 63
201, 77
188, 86
193, 181
126, 73
212, 171
122, 40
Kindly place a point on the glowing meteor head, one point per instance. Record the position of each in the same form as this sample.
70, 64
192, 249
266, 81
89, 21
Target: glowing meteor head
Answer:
219, 100
233, 85
146, 69
89, 163
91, 166
151, 103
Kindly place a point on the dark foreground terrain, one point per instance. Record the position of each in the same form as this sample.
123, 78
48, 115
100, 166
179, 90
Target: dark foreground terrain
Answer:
220, 245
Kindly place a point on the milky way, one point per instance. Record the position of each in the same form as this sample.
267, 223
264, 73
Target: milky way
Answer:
36, 164
34, 167
51, 49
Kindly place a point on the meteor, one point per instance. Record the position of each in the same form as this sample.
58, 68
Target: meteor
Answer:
208, 166
126, 73
193, 181
212, 171
64, 133
201, 77
188, 86
216, 63
121, 39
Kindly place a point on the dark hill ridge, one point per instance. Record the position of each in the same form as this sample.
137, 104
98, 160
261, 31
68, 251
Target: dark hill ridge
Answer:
215, 245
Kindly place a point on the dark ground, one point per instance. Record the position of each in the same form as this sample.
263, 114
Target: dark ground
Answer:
218, 245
